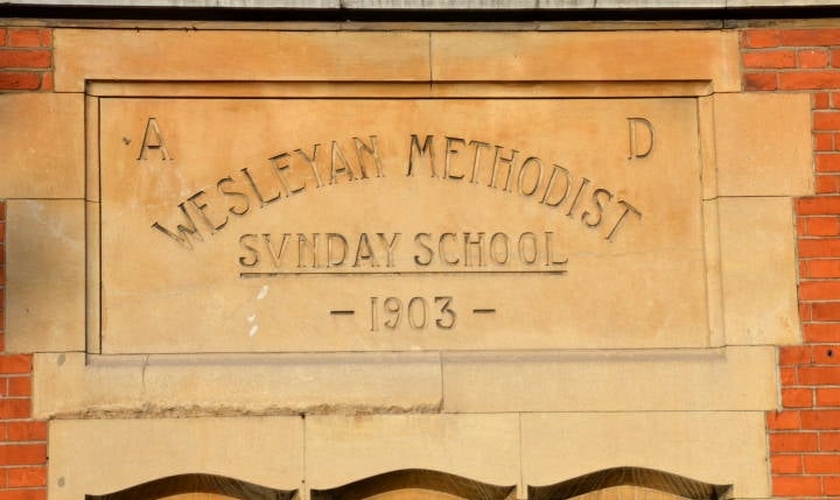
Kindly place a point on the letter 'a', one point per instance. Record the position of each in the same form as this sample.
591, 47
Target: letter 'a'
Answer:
153, 140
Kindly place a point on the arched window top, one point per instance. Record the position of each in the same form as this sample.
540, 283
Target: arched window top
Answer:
414, 483
631, 476
197, 483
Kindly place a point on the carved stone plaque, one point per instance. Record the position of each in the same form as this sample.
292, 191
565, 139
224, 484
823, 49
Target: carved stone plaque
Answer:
271, 225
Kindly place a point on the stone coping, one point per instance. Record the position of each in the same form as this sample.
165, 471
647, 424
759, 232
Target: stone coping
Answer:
433, 5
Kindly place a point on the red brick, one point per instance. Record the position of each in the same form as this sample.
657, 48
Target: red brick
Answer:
828, 397
835, 58
822, 464
820, 419
22, 59
24, 37
828, 162
789, 486
797, 398
15, 408
819, 375
27, 494
820, 100
47, 82
824, 142
812, 58
804, 309
826, 355
819, 205
774, 59
823, 247
818, 226
16, 80
821, 332
808, 37
15, 363
835, 100
819, 290
794, 441
20, 386
761, 81
823, 268
830, 441
825, 311
46, 37
2, 36
26, 431
783, 420
23, 454
809, 80
23, 477
831, 485
786, 464
794, 355
760, 38
826, 120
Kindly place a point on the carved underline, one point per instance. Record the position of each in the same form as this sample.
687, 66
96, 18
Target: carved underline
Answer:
283, 274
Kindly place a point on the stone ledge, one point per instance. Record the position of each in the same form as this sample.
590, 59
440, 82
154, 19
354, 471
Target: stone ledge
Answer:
431, 5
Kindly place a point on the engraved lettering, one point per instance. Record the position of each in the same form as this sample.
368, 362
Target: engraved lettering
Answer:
451, 153
153, 140
593, 219
260, 196
549, 251
245, 202
628, 208
528, 252
184, 231
418, 153
499, 161
442, 250
276, 254
390, 245
477, 244
201, 206
248, 242
425, 245
337, 157
550, 186
478, 145
577, 197
499, 248
336, 242
311, 161
373, 151
280, 169
531, 161
364, 252
307, 246
639, 148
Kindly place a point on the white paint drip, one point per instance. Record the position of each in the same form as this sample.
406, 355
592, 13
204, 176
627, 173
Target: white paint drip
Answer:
253, 330
251, 318
263, 292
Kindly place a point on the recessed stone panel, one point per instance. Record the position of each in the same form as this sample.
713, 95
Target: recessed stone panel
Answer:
104, 456
43, 146
713, 447
45, 288
340, 449
355, 225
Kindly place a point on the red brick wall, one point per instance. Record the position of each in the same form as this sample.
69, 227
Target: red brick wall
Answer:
25, 65
804, 437
26, 60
